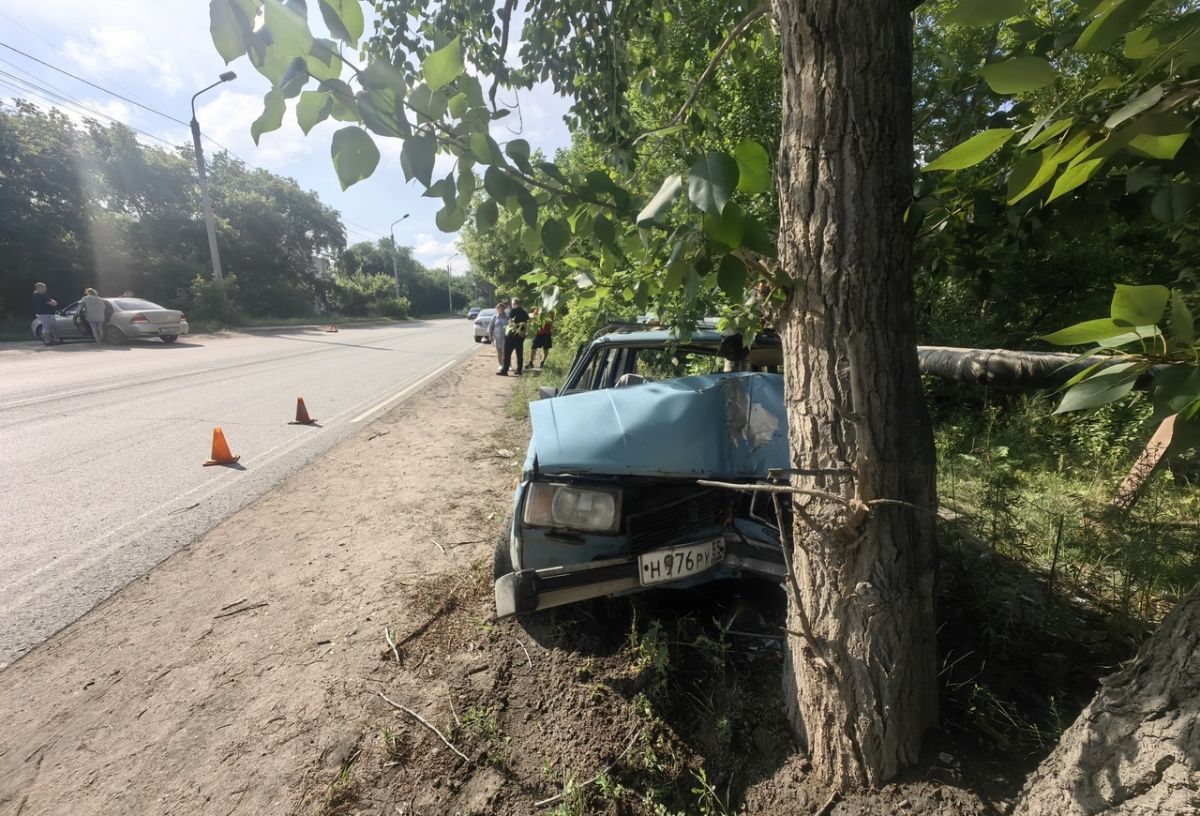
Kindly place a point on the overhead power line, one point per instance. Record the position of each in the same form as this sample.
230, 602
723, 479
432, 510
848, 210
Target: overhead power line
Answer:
94, 85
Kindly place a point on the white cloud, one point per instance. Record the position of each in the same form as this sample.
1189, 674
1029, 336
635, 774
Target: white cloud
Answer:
115, 49
227, 119
432, 251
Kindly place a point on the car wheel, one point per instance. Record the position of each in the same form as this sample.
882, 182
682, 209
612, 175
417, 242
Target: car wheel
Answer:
169, 338
113, 335
502, 561
478, 339
38, 333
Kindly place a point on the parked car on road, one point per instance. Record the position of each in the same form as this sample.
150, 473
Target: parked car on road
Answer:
481, 325
609, 500
473, 312
130, 318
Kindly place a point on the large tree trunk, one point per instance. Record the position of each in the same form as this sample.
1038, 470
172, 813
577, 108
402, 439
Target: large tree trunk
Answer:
865, 683
1136, 748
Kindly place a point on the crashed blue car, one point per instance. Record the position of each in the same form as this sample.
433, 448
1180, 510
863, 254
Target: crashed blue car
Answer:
609, 500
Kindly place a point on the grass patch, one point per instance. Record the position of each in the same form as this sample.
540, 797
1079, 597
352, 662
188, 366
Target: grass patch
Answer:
551, 374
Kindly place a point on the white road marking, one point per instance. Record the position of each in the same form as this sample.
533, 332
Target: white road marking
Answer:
402, 392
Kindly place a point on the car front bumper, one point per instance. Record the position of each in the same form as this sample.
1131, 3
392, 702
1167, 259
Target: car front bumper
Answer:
532, 589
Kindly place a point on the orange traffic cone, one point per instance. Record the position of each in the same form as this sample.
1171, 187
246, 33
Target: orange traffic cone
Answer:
331, 329
220, 450
302, 417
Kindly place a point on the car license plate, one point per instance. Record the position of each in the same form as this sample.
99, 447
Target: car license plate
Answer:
671, 564
170, 330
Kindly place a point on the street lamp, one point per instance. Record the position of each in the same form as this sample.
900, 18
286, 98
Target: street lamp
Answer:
228, 76
450, 291
395, 273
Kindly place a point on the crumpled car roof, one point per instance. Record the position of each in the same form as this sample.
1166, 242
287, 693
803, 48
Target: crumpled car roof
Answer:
715, 426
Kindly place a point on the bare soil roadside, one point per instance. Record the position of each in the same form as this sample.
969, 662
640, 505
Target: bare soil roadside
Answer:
153, 703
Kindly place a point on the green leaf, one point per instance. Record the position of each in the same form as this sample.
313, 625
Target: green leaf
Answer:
1141, 43
228, 20
531, 239
1018, 75
430, 104
344, 19
984, 12
466, 183
458, 105
1089, 331
450, 218
1186, 432
971, 152
444, 65
498, 185
726, 229
1183, 327
711, 182
313, 107
1133, 107
754, 167
355, 155
481, 148
382, 113
322, 62
381, 75
663, 200
517, 150
553, 172
756, 239
1111, 25
417, 157
1036, 140
1029, 174
1103, 387
555, 236
290, 36
1174, 389
1139, 305
731, 277
1074, 176
605, 232
1172, 203
486, 215
1158, 135
272, 115
528, 204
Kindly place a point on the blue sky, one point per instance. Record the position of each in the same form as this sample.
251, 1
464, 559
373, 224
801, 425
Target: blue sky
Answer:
158, 53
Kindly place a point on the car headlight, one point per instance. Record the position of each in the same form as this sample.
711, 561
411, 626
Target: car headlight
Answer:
594, 509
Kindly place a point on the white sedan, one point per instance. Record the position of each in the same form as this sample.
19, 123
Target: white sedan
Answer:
130, 318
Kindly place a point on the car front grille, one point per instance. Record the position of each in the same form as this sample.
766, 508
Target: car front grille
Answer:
673, 522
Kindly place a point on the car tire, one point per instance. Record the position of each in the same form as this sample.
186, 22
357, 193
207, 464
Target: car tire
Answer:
169, 338
38, 333
113, 335
502, 560
478, 339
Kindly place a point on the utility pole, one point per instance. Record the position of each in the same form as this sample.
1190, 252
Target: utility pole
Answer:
450, 291
228, 76
395, 273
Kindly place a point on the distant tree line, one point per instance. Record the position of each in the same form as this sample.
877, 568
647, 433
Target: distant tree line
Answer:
90, 205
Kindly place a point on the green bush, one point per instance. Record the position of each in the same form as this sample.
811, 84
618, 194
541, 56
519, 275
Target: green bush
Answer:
354, 293
207, 299
396, 308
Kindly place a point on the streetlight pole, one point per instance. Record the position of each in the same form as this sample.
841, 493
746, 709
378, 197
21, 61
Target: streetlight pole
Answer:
395, 272
449, 291
228, 76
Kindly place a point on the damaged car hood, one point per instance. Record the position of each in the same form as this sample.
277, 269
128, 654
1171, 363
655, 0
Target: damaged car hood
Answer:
717, 426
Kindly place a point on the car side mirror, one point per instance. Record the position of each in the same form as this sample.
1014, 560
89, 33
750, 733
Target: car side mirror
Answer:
547, 392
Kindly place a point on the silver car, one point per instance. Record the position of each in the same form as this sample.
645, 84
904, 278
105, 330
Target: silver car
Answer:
481, 325
130, 318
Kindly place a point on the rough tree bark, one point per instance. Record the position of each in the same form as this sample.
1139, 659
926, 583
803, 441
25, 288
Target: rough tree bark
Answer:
864, 685
1136, 748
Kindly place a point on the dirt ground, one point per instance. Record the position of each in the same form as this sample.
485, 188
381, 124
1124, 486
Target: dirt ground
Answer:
252, 673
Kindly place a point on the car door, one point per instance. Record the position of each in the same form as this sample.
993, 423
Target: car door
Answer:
65, 320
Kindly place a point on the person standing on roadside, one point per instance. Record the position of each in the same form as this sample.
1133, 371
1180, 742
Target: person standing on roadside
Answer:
514, 338
92, 307
496, 328
541, 340
44, 308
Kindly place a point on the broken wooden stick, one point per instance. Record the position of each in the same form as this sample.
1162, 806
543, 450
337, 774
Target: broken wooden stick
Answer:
387, 635
423, 722
239, 611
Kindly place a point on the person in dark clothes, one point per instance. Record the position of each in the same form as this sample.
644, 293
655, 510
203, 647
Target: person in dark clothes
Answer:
514, 338
44, 308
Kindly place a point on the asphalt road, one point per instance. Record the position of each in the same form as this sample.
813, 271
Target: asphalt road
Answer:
101, 448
